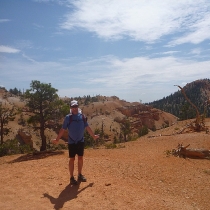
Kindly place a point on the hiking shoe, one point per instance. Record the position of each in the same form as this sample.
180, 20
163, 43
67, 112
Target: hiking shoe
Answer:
73, 181
81, 178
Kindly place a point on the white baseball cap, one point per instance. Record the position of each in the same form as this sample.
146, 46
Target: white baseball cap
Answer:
74, 103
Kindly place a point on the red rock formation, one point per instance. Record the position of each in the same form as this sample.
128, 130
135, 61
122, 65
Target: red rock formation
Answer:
142, 115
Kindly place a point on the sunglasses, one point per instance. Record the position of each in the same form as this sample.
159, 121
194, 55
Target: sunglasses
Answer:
74, 107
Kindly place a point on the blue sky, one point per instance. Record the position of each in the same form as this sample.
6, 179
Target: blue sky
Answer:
134, 49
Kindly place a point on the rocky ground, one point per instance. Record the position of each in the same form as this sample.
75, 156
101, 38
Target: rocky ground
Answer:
138, 175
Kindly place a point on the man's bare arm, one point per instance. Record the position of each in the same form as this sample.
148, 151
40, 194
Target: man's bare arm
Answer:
89, 130
60, 134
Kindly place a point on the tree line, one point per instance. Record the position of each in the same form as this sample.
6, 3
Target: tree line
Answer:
177, 105
43, 102
45, 105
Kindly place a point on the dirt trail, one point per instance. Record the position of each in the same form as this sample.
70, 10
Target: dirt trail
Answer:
138, 176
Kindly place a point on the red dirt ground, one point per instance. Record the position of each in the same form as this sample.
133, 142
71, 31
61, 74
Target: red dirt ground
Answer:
139, 175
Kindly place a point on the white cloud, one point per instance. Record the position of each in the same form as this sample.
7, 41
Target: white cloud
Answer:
28, 58
147, 78
129, 73
196, 51
198, 32
4, 20
146, 21
6, 49
171, 52
24, 44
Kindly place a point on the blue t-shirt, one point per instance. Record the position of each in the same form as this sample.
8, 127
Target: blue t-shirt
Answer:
76, 128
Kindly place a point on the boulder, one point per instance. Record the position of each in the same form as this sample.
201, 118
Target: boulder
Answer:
26, 137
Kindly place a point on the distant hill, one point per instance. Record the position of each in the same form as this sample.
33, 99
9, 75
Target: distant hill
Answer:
107, 113
197, 91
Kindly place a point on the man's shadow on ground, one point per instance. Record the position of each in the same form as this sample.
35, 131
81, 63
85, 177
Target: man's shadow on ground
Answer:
69, 193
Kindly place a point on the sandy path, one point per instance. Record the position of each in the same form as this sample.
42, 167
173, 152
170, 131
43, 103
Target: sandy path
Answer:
138, 176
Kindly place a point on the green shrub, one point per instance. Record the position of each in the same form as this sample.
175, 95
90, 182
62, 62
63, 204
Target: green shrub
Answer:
11, 147
110, 146
143, 131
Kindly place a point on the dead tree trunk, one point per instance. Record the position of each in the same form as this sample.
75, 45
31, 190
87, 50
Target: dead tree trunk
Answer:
191, 153
199, 124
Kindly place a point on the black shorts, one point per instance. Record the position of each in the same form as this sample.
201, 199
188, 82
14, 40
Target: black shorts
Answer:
76, 149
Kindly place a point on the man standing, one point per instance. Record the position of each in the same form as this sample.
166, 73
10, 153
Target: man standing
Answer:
76, 124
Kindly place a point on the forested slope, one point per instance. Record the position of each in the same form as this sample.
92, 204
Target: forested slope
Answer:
198, 92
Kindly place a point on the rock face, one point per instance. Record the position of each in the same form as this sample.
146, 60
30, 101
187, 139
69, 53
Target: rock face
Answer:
107, 113
25, 137
139, 115
142, 115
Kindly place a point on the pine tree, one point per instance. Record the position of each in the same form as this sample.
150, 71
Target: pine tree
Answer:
6, 115
45, 105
